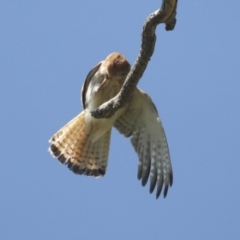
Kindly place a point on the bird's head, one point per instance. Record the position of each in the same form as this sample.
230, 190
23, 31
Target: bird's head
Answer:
116, 67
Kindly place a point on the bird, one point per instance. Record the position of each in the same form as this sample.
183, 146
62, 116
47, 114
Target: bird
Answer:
83, 143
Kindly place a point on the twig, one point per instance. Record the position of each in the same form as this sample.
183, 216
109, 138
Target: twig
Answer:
166, 14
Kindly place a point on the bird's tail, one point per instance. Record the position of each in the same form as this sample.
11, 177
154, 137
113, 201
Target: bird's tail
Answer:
73, 146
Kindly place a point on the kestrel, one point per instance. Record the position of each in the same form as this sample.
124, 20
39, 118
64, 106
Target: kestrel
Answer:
83, 143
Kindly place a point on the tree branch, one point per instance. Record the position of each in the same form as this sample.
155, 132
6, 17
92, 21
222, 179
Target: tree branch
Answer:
166, 14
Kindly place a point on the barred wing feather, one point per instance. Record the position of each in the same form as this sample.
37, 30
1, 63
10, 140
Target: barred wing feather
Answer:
141, 122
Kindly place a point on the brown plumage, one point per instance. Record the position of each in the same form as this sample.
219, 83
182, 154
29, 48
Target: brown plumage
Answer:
83, 143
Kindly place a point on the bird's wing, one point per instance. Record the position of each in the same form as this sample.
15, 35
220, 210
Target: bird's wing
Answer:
142, 123
87, 82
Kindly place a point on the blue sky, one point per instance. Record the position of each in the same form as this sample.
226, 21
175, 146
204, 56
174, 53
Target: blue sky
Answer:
46, 50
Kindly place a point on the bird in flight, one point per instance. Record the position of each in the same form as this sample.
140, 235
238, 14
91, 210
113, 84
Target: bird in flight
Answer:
83, 143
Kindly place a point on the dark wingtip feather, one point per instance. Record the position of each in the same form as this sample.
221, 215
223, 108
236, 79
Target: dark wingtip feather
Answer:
159, 189
171, 178
145, 174
144, 180
152, 186
139, 174
165, 191
159, 186
153, 183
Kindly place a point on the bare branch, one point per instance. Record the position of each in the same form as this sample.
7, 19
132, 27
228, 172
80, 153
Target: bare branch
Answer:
166, 14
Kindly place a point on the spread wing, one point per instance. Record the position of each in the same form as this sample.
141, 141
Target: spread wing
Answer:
142, 123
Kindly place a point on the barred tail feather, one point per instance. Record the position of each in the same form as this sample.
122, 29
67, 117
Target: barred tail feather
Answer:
72, 146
